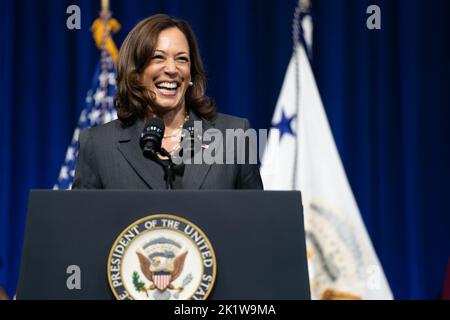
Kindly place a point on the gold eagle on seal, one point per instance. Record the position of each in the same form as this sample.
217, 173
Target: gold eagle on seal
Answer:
162, 269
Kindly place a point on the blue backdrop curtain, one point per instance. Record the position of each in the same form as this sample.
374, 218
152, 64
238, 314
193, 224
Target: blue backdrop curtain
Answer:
386, 96
385, 93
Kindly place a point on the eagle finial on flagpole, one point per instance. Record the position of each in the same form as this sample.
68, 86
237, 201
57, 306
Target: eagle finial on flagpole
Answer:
305, 6
303, 26
101, 31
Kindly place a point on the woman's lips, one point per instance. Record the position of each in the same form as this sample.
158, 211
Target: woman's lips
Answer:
167, 92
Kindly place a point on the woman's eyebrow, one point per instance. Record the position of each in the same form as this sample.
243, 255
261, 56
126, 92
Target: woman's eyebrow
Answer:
181, 52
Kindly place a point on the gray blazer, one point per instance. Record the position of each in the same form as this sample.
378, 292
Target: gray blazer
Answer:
110, 158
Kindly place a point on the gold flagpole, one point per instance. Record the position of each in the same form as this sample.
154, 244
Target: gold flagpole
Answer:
105, 5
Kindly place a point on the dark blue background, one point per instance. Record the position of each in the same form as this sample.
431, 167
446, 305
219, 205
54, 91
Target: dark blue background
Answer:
385, 93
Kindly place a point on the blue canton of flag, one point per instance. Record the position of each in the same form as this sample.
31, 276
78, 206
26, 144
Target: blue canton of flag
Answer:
99, 110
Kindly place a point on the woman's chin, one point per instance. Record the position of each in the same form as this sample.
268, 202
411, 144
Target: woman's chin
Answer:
165, 106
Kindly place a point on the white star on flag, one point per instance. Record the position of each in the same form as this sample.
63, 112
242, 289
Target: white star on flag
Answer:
63, 173
93, 116
70, 153
98, 96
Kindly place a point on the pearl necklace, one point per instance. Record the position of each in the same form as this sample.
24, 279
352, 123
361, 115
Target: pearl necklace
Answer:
177, 131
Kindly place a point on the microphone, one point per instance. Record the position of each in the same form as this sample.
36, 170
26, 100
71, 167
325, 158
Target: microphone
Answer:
187, 139
151, 137
191, 143
150, 142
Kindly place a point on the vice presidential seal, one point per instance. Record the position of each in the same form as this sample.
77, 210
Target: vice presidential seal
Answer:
162, 257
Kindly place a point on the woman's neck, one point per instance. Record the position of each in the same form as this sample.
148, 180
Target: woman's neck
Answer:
174, 119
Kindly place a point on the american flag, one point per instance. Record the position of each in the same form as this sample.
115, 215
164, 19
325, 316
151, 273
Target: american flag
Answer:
99, 110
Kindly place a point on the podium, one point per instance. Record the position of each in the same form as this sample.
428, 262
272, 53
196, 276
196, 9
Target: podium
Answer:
257, 236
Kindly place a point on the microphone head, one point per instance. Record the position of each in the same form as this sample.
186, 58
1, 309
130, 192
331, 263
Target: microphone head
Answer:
189, 126
151, 137
190, 140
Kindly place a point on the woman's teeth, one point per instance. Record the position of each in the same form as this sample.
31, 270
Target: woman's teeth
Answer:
167, 85
167, 88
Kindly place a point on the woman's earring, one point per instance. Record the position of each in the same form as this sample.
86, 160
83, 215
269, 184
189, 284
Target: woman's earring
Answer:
191, 83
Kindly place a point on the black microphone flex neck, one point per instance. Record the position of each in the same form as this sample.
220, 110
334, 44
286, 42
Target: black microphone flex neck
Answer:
151, 141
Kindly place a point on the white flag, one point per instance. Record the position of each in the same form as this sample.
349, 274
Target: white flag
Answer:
301, 155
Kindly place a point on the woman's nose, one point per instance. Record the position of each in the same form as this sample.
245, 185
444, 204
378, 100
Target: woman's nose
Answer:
170, 66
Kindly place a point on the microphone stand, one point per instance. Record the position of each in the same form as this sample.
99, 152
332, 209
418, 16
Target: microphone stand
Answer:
168, 169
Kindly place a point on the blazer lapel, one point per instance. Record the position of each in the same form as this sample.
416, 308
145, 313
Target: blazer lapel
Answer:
148, 170
195, 174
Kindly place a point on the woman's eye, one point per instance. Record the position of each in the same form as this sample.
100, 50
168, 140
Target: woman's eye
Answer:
158, 57
184, 59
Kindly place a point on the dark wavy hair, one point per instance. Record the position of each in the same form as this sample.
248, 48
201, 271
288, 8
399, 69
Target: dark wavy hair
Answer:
133, 100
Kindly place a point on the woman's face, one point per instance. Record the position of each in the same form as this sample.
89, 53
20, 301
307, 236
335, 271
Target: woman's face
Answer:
169, 72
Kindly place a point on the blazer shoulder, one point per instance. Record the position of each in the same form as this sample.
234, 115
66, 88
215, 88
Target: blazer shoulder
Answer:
104, 132
231, 122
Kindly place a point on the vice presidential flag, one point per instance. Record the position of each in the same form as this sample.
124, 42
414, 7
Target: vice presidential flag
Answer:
301, 155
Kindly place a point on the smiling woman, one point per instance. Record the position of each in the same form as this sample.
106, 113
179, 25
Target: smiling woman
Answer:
169, 71
160, 74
